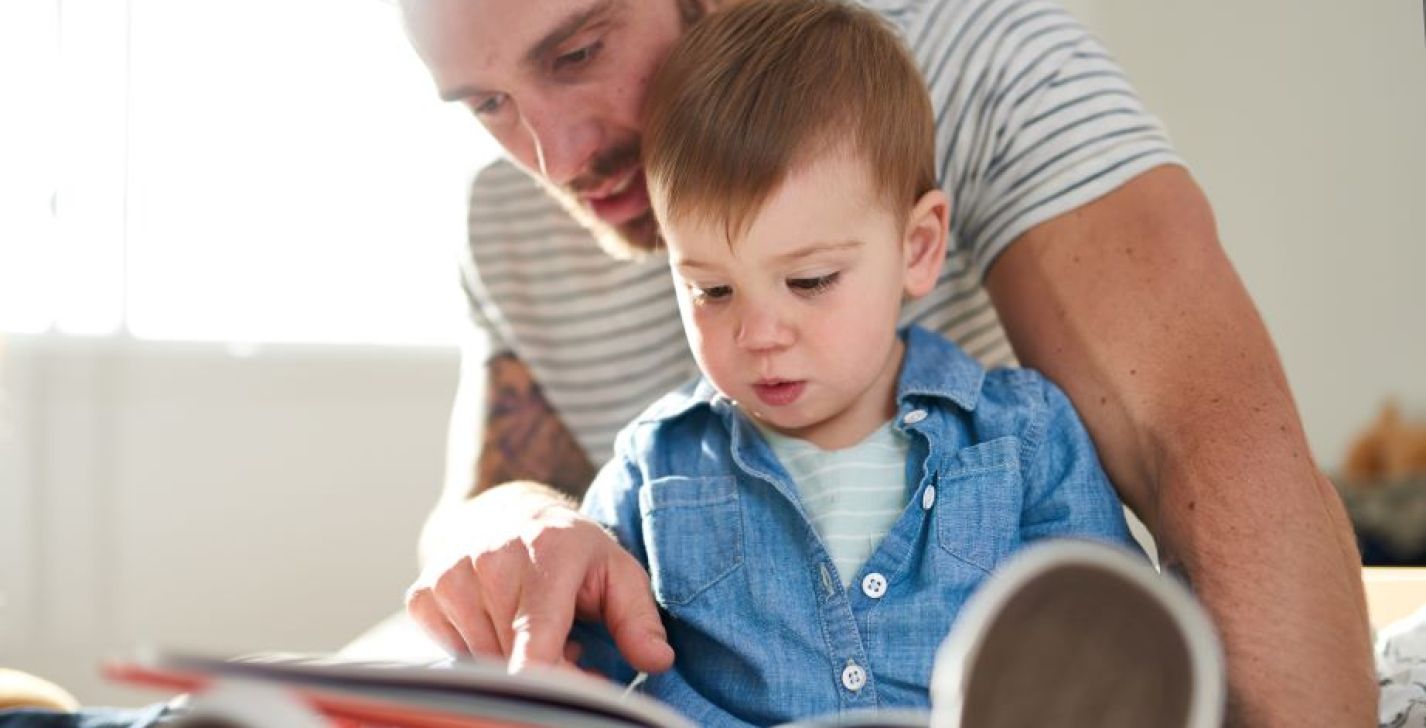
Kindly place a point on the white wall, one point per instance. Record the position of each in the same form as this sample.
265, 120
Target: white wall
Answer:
1305, 121
181, 495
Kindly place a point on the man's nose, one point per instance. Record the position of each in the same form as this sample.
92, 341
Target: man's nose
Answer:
763, 328
564, 140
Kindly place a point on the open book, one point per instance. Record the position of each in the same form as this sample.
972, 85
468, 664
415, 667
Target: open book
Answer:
464, 694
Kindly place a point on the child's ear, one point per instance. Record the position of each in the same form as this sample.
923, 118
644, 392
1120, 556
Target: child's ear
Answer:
924, 242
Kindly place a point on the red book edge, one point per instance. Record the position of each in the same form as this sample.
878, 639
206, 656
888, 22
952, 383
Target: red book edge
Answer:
345, 711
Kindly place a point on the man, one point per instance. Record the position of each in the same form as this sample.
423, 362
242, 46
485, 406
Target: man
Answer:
1097, 250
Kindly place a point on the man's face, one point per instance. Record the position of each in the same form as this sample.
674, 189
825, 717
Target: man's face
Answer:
560, 85
796, 319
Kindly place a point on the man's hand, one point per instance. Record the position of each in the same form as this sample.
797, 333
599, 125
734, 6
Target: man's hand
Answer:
531, 565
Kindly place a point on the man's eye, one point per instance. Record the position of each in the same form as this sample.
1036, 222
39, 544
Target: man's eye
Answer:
577, 57
711, 293
813, 286
491, 105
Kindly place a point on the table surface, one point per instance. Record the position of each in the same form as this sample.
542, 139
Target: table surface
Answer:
1393, 592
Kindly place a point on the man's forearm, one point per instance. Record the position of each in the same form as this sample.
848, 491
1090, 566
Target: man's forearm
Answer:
523, 438
502, 431
1244, 514
1243, 511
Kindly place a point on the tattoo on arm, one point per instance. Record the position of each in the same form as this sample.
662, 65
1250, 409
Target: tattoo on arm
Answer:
523, 438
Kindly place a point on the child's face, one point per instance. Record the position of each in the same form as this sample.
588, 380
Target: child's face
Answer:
796, 321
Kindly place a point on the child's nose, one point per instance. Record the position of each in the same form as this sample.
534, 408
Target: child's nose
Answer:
762, 328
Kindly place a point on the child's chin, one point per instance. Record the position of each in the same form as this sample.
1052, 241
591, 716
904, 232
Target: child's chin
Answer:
787, 422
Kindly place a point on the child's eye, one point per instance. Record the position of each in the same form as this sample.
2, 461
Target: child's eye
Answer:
813, 286
710, 294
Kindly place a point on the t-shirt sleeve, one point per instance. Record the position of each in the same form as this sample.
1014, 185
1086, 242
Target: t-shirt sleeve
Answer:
1034, 119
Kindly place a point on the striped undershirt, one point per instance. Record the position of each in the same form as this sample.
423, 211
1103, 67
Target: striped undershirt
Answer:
1033, 119
852, 496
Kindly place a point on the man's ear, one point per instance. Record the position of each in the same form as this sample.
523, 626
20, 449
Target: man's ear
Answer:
924, 242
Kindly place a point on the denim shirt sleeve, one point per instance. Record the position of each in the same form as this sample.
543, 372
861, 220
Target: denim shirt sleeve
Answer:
1068, 493
612, 501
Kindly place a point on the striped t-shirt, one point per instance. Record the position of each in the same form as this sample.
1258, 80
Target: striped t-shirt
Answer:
852, 496
1033, 119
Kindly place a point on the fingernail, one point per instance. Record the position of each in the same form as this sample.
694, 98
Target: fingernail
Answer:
661, 641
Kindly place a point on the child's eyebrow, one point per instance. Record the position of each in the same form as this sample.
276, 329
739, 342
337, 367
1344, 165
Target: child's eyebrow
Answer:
815, 248
695, 264
788, 257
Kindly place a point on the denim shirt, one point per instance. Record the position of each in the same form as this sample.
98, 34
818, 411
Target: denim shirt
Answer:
762, 628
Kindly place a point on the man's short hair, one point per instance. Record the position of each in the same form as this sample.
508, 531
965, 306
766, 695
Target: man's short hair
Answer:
752, 91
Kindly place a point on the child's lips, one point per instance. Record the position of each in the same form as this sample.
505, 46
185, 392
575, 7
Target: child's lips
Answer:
778, 392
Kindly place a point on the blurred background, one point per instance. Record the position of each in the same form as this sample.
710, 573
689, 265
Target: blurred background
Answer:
230, 308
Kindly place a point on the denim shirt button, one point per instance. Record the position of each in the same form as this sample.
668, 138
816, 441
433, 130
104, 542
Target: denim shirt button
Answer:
853, 677
928, 497
914, 416
874, 585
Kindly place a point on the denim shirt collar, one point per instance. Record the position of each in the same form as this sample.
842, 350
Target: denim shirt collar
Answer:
931, 367
935, 367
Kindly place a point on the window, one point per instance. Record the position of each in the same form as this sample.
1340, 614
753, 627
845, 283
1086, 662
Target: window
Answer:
239, 170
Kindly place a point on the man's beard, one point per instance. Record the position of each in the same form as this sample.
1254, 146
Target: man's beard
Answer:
629, 240
632, 240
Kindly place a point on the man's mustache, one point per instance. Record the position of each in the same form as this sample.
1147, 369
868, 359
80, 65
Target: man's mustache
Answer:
607, 164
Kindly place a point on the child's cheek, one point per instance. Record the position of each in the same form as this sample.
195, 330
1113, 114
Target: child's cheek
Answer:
711, 343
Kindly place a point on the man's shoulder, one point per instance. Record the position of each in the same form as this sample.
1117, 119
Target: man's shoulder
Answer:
501, 178
518, 232
914, 18
503, 198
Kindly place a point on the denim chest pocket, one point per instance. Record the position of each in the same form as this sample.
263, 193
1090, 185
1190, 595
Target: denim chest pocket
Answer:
979, 496
693, 530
